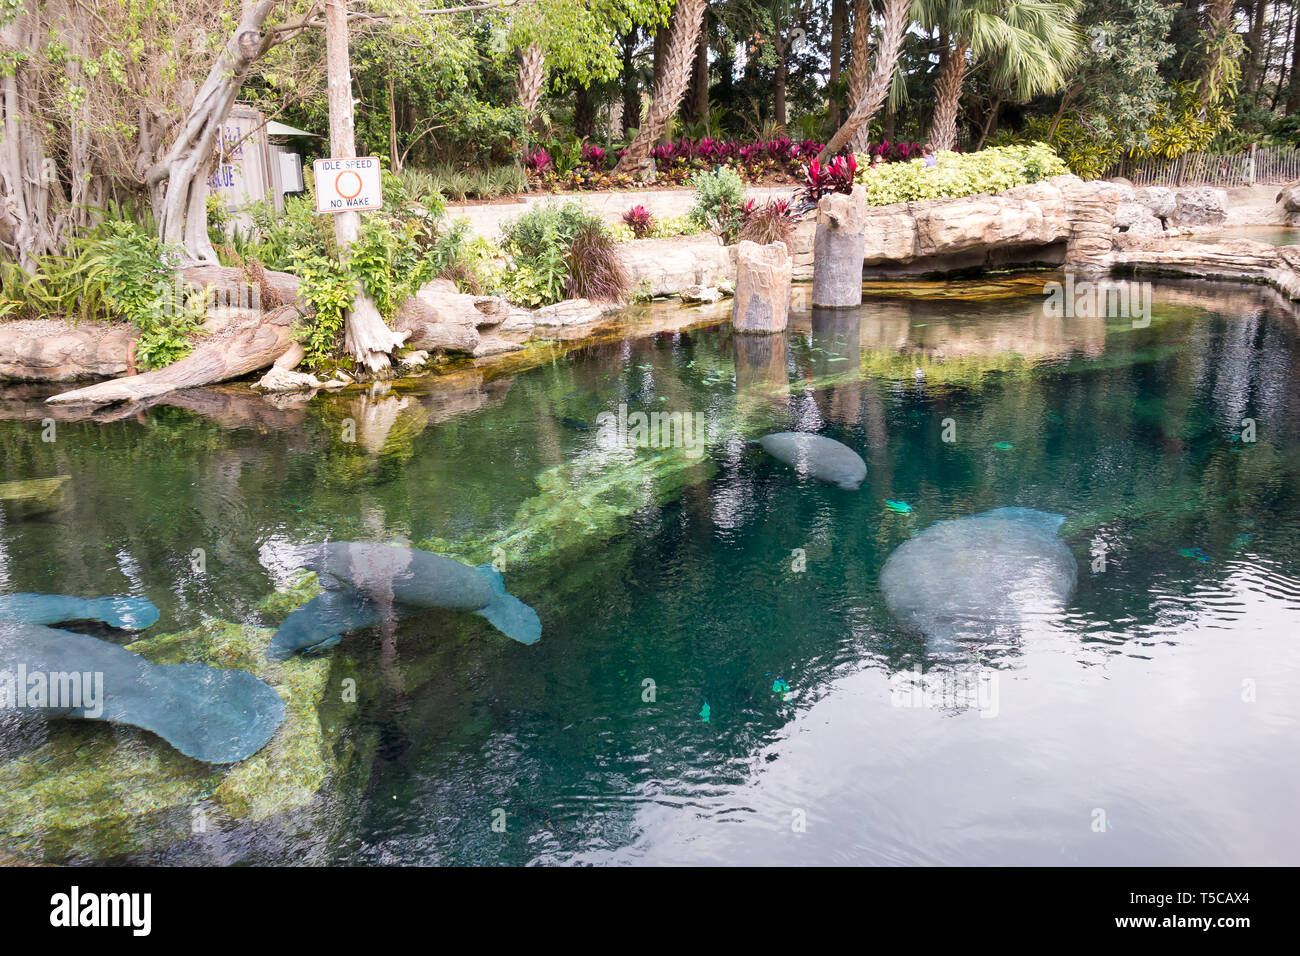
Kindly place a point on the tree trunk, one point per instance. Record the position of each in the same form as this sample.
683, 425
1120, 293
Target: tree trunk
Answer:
947, 97
584, 113
394, 154
839, 14
1293, 92
860, 68
29, 195
778, 83
532, 78
179, 180
1219, 24
990, 121
247, 351
699, 108
876, 88
674, 74
365, 336
631, 88
1254, 39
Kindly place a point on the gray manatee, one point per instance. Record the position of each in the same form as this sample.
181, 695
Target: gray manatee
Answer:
361, 580
217, 716
980, 576
128, 613
823, 458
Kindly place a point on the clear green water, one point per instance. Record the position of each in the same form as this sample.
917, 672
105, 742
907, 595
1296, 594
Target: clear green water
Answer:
652, 567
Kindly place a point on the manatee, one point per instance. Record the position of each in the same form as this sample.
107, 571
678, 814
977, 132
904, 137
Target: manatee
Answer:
980, 576
364, 582
823, 458
127, 613
217, 716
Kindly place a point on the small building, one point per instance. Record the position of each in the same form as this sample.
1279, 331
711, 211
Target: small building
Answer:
256, 160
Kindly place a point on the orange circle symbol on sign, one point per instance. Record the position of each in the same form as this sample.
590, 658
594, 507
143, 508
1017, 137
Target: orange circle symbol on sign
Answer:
338, 184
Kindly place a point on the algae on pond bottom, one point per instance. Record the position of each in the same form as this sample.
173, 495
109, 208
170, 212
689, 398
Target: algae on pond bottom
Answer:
98, 792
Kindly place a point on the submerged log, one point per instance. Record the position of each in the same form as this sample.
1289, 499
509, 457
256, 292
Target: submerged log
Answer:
246, 351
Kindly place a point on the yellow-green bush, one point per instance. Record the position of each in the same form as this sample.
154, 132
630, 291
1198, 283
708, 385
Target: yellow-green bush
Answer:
959, 174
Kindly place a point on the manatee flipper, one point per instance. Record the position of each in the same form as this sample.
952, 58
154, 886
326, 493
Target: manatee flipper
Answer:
127, 613
321, 622
509, 615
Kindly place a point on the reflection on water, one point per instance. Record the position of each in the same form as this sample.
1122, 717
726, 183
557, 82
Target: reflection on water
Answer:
1164, 696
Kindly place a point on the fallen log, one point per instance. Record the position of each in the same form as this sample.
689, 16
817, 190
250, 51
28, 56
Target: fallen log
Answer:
247, 350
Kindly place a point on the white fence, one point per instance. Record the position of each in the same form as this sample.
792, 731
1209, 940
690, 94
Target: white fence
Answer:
1272, 164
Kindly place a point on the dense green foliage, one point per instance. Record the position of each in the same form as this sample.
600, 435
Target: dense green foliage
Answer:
539, 243
960, 174
116, 271
719, 196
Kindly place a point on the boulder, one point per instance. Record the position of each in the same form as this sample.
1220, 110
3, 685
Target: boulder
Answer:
1289, 197
1159, 200
1136, 219
50, 350
1200, 206
700, 295
574, 312
763, 275
660, 267
279, 379
439, 317
890, 235
32, 497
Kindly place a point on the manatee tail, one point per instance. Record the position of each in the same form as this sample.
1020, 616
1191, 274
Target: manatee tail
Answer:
509, 615
125, 613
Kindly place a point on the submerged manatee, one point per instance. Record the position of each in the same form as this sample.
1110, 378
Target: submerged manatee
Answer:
217, 716
361, 580
823, 458
976, 577
127, 613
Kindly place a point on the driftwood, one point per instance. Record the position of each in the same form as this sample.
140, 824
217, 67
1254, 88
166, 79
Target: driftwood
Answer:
246, 351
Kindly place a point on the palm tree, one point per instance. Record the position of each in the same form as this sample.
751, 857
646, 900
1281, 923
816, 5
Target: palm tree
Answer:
670, 84
532, 77
874, 88
1028, 45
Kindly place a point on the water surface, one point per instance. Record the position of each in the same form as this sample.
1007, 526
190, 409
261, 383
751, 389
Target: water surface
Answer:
1165, 697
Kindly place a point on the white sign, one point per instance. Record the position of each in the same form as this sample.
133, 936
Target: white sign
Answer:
348, 185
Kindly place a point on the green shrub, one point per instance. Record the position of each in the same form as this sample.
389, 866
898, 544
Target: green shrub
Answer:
329, 288
669, 227
719, 195
539, 241
542, 225
960, 174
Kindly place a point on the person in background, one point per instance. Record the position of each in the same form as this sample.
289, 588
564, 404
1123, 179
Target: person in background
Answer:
877, 161
927, 155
